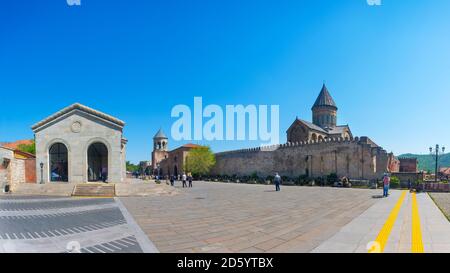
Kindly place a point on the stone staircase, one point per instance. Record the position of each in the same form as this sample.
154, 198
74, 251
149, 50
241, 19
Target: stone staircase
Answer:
48, 189
94, 190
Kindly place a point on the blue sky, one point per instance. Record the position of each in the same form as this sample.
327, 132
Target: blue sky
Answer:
387, 67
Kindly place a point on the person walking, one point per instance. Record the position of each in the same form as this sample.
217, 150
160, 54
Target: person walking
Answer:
277, 181
172, 180
386, 182
190, 180
183, 178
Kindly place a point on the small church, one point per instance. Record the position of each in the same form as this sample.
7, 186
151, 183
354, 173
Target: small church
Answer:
324, 122
165, 162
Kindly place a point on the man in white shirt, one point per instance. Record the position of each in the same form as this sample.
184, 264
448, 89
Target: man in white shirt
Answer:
277, 181
183, 178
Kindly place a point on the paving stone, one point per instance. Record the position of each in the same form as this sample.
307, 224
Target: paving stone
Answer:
435, 229
49, 225
236, 217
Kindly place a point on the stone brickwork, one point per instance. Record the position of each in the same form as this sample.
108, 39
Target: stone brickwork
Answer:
18, 171
356, 158
324, 123
77, 127
406, 177
174, 163
408, 165
14, 170
30, 170
313, 149
6, 156
165, 162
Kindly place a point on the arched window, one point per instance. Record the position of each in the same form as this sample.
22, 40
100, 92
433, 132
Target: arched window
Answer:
59, 166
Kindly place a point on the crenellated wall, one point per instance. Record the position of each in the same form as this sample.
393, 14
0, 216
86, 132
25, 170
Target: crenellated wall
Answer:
356, 158
408, 165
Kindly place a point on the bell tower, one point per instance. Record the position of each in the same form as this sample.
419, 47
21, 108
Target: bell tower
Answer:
160, 148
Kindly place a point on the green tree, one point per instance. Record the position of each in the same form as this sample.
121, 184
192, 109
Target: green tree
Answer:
332, 178
131, 167
395, 182
28, 148
199, 161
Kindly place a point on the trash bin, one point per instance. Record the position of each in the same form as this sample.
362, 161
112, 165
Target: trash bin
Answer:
6, 189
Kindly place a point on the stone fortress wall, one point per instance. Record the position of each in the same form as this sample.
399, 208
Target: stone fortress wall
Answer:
314, 149
355, 158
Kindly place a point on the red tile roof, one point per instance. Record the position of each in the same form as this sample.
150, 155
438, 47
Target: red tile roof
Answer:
445, 171
15, 145
191, 145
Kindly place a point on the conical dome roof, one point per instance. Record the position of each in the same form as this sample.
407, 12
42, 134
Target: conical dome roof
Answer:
324, 99
160, 134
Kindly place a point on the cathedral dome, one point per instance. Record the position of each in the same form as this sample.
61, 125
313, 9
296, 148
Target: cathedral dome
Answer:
324, 110
324, 99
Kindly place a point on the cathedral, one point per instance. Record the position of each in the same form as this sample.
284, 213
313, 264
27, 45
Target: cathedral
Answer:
313, 149
324, 125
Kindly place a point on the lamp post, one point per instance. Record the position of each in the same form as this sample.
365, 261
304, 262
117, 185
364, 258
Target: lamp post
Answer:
436, 152
42, 172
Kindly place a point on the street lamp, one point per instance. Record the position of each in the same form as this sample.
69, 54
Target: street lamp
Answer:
42, 172
436, 152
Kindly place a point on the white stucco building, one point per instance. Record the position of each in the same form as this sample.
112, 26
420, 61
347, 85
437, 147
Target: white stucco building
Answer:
79, 144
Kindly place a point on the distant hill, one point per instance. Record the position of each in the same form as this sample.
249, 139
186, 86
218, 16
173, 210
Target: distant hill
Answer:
427, 162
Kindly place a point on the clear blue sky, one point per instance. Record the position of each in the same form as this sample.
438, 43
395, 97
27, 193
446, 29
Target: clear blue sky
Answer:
387, 67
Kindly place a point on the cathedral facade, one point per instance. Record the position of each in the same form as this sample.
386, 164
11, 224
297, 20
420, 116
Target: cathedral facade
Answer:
324, 122
314, 149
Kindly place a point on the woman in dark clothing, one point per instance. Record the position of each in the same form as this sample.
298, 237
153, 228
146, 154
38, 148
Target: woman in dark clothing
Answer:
190, 180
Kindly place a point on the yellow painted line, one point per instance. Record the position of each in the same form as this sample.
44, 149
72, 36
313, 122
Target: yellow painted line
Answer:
416, 235
385, 231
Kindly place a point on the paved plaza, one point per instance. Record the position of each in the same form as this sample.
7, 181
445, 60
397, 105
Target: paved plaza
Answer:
229, 217
392, 225
442, 199
51, 225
